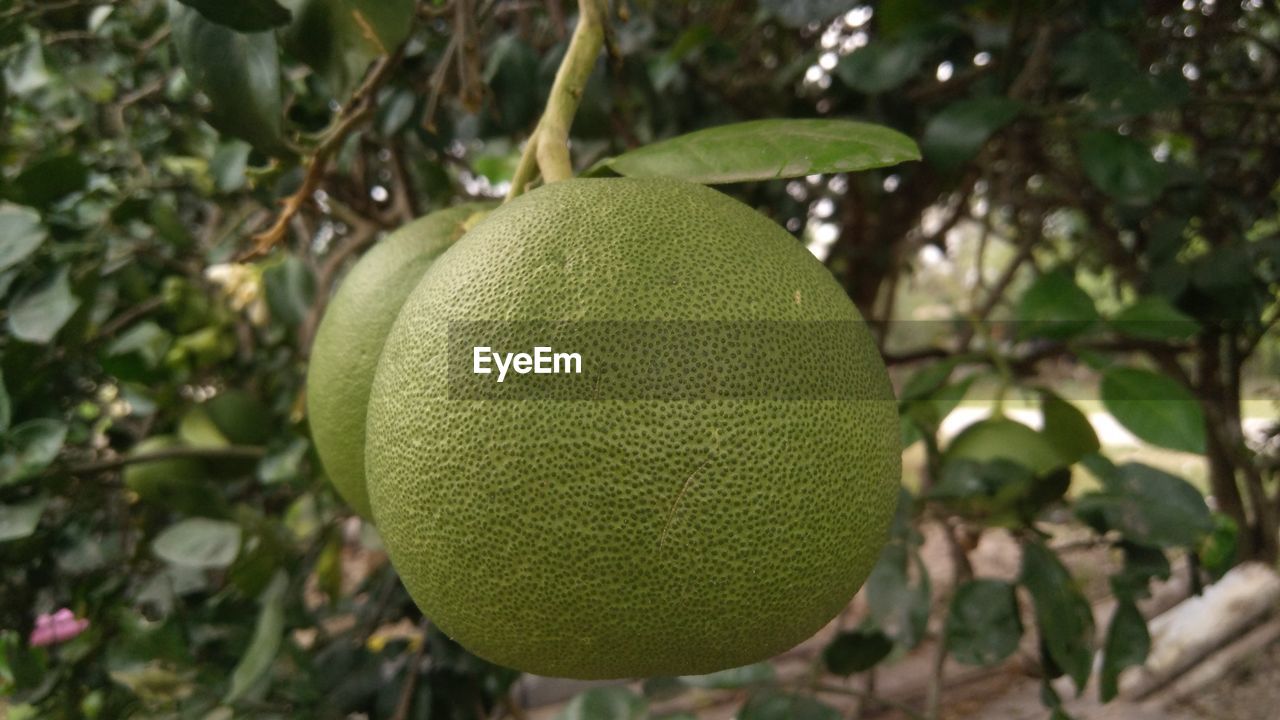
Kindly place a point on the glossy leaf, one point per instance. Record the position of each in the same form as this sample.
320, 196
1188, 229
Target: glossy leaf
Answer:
956, 134
983, 625
265, 643
1151, 317
856, 651
1128, 643
1150, 507
33, 446
774, 705
19, 520
21, 232
242, 15
1122, 167
1155, 408
769, 149
199, 543
1055, 307
238, 72
39, 312
1063, 615
1066, 428
605, 703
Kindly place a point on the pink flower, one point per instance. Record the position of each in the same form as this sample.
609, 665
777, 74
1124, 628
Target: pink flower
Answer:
56, 628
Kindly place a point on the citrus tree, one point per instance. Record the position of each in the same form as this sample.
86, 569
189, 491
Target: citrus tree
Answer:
1092, 213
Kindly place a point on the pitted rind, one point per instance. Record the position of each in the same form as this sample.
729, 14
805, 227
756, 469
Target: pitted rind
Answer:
604, 539
349, 340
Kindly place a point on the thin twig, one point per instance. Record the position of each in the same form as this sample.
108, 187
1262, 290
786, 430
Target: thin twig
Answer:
411, 680
901, 707
230, 452
548, 147
359, 109
127, 318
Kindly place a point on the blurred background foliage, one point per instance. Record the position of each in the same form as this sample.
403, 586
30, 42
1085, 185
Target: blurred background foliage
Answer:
1093, 228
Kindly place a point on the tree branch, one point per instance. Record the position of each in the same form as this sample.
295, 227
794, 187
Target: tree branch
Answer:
405, 705
548, 146
359, 109
230, 452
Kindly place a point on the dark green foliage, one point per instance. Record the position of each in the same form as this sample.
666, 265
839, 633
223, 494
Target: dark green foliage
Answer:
1119, 158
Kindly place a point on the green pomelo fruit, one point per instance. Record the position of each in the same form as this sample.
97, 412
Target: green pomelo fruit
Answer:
350, 337
1000, 438
627, 536
180, 484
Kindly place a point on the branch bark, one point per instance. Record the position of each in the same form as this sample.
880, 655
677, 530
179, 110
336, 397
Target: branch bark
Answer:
359, 109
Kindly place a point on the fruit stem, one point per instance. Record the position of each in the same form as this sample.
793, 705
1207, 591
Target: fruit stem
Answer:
548, 146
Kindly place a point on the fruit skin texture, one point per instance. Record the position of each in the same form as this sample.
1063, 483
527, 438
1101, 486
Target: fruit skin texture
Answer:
618, 538
350, 337
1000, 438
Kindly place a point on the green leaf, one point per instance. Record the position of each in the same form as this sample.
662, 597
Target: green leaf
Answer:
199, 543
899, 606
1151, 317
983, 625
1063, 615
1055, 307
239, 73
242, 15
881, 66
38, 312
775, 705
856, 651
956, 134
33, 445
1066, 428
1122, 167
340, 38
1219, 550
1128, 643
732, 678
45, 182
228, 165
1142, 564
267, 636
282, 464
1155, 408
290, 288
19, 520
769, 149
605, 703
22, 232
1149, 507
926, 381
